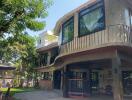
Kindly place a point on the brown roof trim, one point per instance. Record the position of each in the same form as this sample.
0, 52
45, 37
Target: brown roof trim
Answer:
45, 68
48, 47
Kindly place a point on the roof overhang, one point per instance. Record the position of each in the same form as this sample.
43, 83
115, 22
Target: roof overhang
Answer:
49, 68
6, 67
48, 47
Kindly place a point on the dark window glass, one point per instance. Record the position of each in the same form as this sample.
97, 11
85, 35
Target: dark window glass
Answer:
43, 59
92, 19
54, 54
127, 17
68, 31
131, 18
46, 76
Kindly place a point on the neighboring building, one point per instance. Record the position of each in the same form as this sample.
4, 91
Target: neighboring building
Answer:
95, 49
46, 38
48, 51
6, 75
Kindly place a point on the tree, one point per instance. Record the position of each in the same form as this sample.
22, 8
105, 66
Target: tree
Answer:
26, 62
19, 15
16, 16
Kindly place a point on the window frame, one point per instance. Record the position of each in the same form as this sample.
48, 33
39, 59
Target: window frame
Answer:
95, 6
130, 17
65, 24
43, 58
46, 76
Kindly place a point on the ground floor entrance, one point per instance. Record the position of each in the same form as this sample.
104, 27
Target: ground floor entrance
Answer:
85, 80
57, 79
127, 82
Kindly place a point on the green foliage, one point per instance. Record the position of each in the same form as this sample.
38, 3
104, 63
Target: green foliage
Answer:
17, 90
15, 47
18, 15
50, 37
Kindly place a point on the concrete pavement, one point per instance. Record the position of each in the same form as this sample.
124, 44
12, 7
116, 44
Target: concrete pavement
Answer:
53, 95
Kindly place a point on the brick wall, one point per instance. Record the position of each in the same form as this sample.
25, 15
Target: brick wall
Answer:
45, 84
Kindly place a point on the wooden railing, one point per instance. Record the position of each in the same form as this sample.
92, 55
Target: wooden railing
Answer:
112, 34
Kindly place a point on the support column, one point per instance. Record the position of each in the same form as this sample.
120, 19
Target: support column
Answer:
76, 25
117, 78
48, 58
65, 83
62, 72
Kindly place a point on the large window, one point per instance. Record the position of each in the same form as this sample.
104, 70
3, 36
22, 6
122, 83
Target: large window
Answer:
131, 18
54, 54
127, 17
43, 59
92, 19
45, 76
68, 30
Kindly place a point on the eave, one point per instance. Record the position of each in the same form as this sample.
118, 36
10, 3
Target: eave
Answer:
48, 47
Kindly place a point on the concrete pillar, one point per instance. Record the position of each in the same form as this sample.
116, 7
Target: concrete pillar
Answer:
117, 79
65, 83
48, 58
62, 72
76, 25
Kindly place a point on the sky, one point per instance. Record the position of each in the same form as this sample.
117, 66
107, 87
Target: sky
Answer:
56, 11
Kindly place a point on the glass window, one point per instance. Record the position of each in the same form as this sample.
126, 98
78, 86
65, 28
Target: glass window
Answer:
60, 37
43, 59
127, 18
46, 76
54, 54
131, 18
92, 19
68, 31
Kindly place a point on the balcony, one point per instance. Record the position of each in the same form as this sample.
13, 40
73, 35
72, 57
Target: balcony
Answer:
112, 35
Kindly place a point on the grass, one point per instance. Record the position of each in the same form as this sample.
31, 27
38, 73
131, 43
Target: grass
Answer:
17, 90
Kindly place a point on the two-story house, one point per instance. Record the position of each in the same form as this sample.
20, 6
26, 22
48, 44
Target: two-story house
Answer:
47, 49
95, 49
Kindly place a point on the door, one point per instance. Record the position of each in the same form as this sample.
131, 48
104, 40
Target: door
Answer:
94, 82
127, 82
57, 79
78, 84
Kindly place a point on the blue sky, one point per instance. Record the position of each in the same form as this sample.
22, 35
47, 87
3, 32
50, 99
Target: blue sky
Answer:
57, 10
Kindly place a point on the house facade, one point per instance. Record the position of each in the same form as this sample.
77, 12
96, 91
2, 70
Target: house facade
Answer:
47, 49
95, 49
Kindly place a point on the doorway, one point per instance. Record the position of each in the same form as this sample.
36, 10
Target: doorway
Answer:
57, 79
83, 83
94, 82
127, 82
78, 84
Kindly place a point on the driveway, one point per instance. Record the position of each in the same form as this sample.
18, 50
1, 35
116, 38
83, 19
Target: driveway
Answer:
53, 95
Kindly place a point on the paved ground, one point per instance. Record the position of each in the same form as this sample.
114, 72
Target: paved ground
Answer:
52, 95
